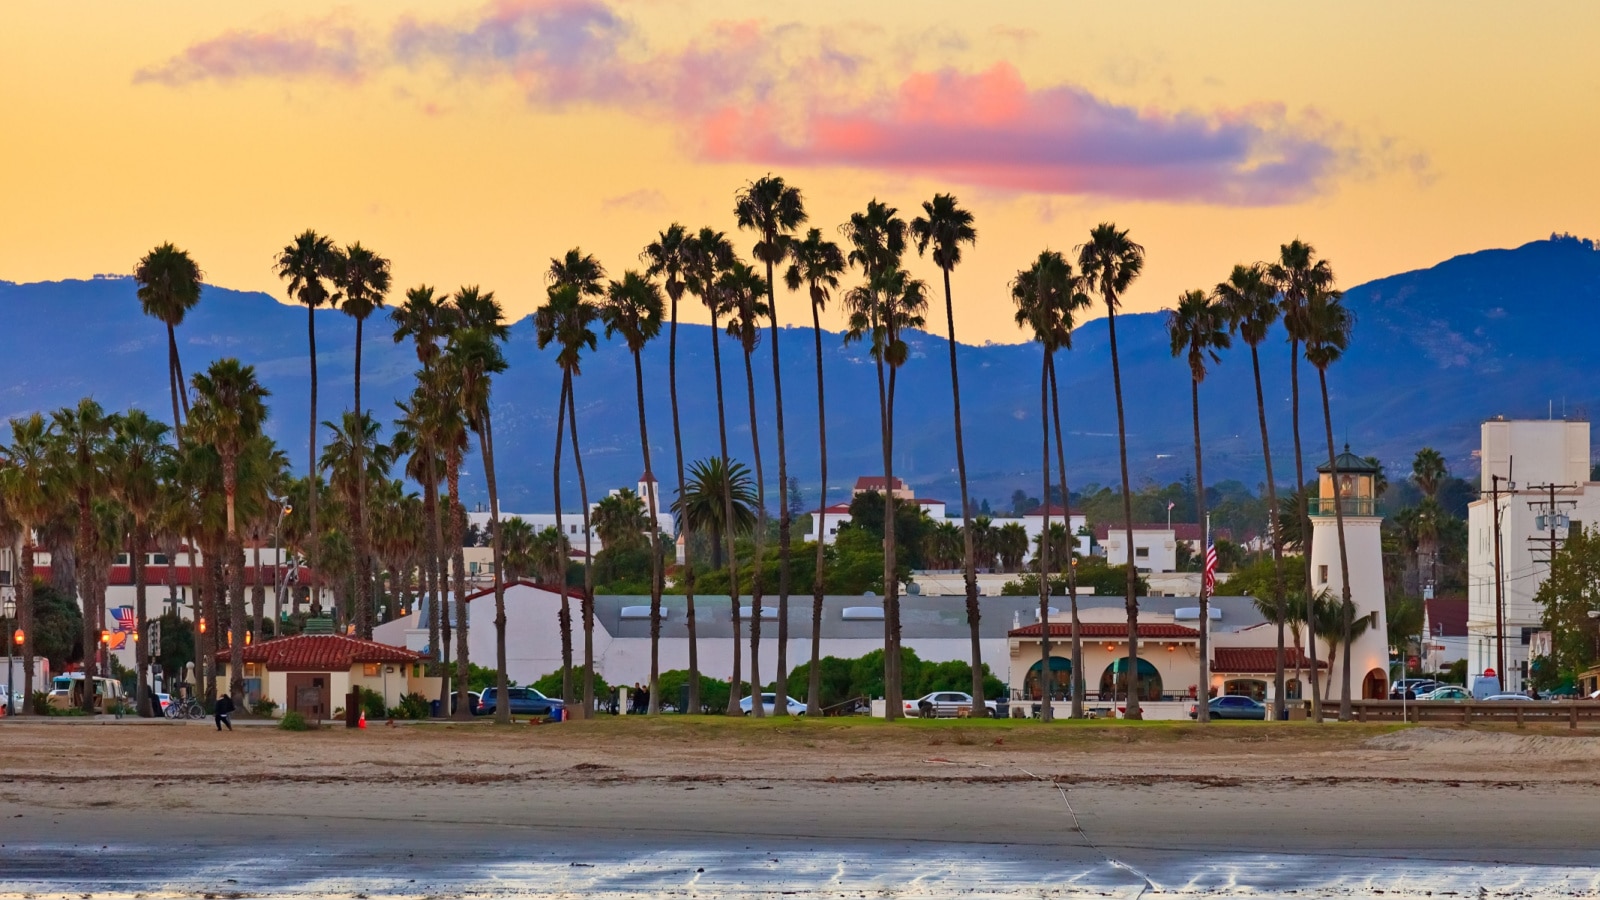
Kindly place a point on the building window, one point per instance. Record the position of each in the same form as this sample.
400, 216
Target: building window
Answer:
1322, 574
1142, 552
369, 669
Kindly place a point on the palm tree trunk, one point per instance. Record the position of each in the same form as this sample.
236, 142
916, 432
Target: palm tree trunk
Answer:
458, 528
1071, 565
893, 688
968, 561
727, 513
176, 380
1277, 543
236, 619
365, 601
1045, 712
215, 602
565, 619
25, 614
588, 557
1346, 608
1203, 706
688, 564
651, 489
141, 648
756, 706
1305, 528
1127, 518
780, 703
502, 711
258, 594
814, 672
313, 536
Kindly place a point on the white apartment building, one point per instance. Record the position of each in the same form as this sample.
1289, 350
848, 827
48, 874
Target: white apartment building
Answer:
1155, 546
1527, 460
572, 523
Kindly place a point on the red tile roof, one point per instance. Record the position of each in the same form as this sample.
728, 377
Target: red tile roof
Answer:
321, 653
156, 576
1258, 660
1055, 511
1102, 630
875, 483
1449, 612
539, 585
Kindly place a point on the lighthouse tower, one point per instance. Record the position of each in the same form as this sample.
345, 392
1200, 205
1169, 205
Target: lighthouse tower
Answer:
1349, 487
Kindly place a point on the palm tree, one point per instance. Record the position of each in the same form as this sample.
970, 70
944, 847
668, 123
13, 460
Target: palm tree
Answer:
31, 489
1429, 470
1249, 298
1336, 627
309, 264
230, 410
567, 319
633, 308
1327, 335
363, 277
741, 288
619, 520
708, 255
1011, 543
78, 455
137, 455
877, 238
817, 264
1110, 262
473, 356
701, 507
774, 210
983, 542
670, 257
1198, 328
1294, 276
169, 286
946, 226
1048, 298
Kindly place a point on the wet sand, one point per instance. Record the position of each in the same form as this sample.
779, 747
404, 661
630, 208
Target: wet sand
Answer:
635, 808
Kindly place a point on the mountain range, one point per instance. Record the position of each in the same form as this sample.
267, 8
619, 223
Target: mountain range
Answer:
1433, 353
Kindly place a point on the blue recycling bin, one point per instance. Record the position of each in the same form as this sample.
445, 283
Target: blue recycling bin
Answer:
557, 713
433, 708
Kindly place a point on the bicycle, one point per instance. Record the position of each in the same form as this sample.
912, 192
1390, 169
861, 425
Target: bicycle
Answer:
187, 708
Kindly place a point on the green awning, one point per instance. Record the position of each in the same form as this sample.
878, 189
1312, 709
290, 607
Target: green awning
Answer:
1057, 664
1145, 668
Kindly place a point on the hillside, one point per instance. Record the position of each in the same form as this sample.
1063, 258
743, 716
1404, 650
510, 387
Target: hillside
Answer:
1435, 351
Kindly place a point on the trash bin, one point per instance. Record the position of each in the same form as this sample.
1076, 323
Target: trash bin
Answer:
433, 708
557, 713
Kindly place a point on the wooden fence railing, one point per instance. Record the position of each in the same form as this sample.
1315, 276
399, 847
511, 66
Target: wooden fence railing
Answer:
1499, 712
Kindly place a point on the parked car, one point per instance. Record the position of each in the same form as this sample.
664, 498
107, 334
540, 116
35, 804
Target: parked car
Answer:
1450, 692
523, 702
769, 705
1232, 707
1499, 697
945, 705
1418, 686
165, 700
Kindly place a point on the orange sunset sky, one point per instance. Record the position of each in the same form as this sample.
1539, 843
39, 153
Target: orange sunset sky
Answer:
470, 142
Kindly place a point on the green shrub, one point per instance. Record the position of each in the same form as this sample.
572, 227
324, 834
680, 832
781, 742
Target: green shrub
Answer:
293, 721
412, 706
264, 708
550, 685
372, 703
40, 703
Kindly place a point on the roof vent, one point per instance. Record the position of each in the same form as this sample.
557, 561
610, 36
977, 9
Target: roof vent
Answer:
636, 612
767, 612
862, 613
1193, 612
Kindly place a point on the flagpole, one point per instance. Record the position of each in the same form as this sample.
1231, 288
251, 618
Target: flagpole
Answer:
1205, 610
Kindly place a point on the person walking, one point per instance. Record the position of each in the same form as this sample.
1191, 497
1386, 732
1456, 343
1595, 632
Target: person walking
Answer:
223, 710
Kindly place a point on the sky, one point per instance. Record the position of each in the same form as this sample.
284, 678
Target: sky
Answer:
471, 142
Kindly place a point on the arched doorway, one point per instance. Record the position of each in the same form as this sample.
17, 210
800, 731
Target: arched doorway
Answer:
1254, 688
1114, 681
1059, 682
1375, 686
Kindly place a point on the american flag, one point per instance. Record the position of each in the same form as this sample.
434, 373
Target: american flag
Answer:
1211, 569
125, 618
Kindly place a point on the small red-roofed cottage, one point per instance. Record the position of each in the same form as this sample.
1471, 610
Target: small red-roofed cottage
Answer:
311, 673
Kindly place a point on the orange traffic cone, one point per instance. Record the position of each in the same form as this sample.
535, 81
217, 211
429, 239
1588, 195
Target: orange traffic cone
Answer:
363, 722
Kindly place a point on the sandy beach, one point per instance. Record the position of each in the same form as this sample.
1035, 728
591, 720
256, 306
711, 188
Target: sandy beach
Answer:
615, 806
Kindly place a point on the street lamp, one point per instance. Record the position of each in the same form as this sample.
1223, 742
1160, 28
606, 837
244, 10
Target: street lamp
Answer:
8, 611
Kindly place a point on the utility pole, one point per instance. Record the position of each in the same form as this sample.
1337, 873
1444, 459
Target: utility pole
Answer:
1499, 584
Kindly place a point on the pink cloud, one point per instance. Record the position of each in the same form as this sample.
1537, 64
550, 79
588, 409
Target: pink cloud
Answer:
310, 50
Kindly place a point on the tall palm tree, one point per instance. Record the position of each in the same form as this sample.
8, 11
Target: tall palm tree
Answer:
1110, 262
138, 452
709, 254
775, 210
1011, 545
169, 286
363, 277
1429, 470
1198, 328
620, 520
701, 507
633, 309
230, 411
1295, 275
670, 258
1250, 301
945, 226
817, 264
877, 237
568, 319
32, 493
78, 454
309, 264
1327, 336
1049, 297
741, 288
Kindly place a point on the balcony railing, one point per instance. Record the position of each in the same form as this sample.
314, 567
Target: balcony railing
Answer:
1350, 506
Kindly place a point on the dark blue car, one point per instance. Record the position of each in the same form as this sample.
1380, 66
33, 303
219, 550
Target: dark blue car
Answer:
1233, 707
524, 702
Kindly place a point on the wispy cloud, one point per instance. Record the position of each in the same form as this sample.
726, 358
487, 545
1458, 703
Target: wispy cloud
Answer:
794, 95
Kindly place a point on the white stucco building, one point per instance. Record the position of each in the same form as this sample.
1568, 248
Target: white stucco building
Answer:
572, 523
1526, 459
